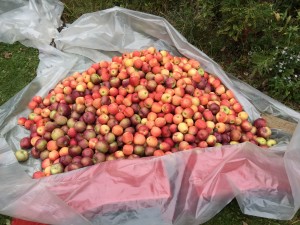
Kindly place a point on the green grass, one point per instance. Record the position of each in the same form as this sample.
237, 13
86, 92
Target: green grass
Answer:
4, 220
18, 65
17, 68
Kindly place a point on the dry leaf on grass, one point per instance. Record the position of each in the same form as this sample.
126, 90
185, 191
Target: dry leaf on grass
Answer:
7, 55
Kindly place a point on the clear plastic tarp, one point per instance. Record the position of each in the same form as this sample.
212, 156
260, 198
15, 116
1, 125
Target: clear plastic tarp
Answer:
187, 187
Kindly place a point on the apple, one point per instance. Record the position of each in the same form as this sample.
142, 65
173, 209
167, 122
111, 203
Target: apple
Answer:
166, 98
65, 160
214, 108
98, 157
186, 102
38, 174
235, 135
53, 155
44, 154
102, 146
109, 138
183, 127
260, 122
177, 137
80, 126
50, 126
56, 168
63, 109
57, 133
129, 111
25, 143
261, 140
95, 78
200, 124
189, 138
160, 122
75, 150
188, 113
127, 149
237, 107
139, 139
119, 154
221, 117
41, 130
143, 94
210, 124
165, 146
243, 115
220, 90
225, 109
220, 127
208, 115
246, 125
89, 134
127, 137
41, 144
73, 166
271, 142
63, 141
264, 132
225, 138
22, 155
244, 138
35, 153
86, 161
21, 121
88, 117
211, 140
202, 144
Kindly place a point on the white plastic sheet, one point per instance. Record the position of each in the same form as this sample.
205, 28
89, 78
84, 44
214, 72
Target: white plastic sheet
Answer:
184, 188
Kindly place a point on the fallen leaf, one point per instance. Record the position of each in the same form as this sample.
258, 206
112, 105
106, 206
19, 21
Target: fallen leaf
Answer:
7, 55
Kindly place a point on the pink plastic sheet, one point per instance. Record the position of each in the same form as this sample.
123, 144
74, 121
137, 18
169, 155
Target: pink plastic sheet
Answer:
188, 187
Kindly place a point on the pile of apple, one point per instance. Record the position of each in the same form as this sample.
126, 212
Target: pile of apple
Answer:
143, 103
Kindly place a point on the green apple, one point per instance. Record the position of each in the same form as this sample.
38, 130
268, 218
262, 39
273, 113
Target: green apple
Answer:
271, 142
22, 155
56, 168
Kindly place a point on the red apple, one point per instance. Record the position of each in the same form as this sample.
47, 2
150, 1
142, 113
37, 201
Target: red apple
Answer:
25, 143
260, 122
264, 132
235, 135
246, 126
202, 134
38, 174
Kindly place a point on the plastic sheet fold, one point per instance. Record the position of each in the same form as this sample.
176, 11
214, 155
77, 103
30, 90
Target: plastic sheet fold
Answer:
188, 187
